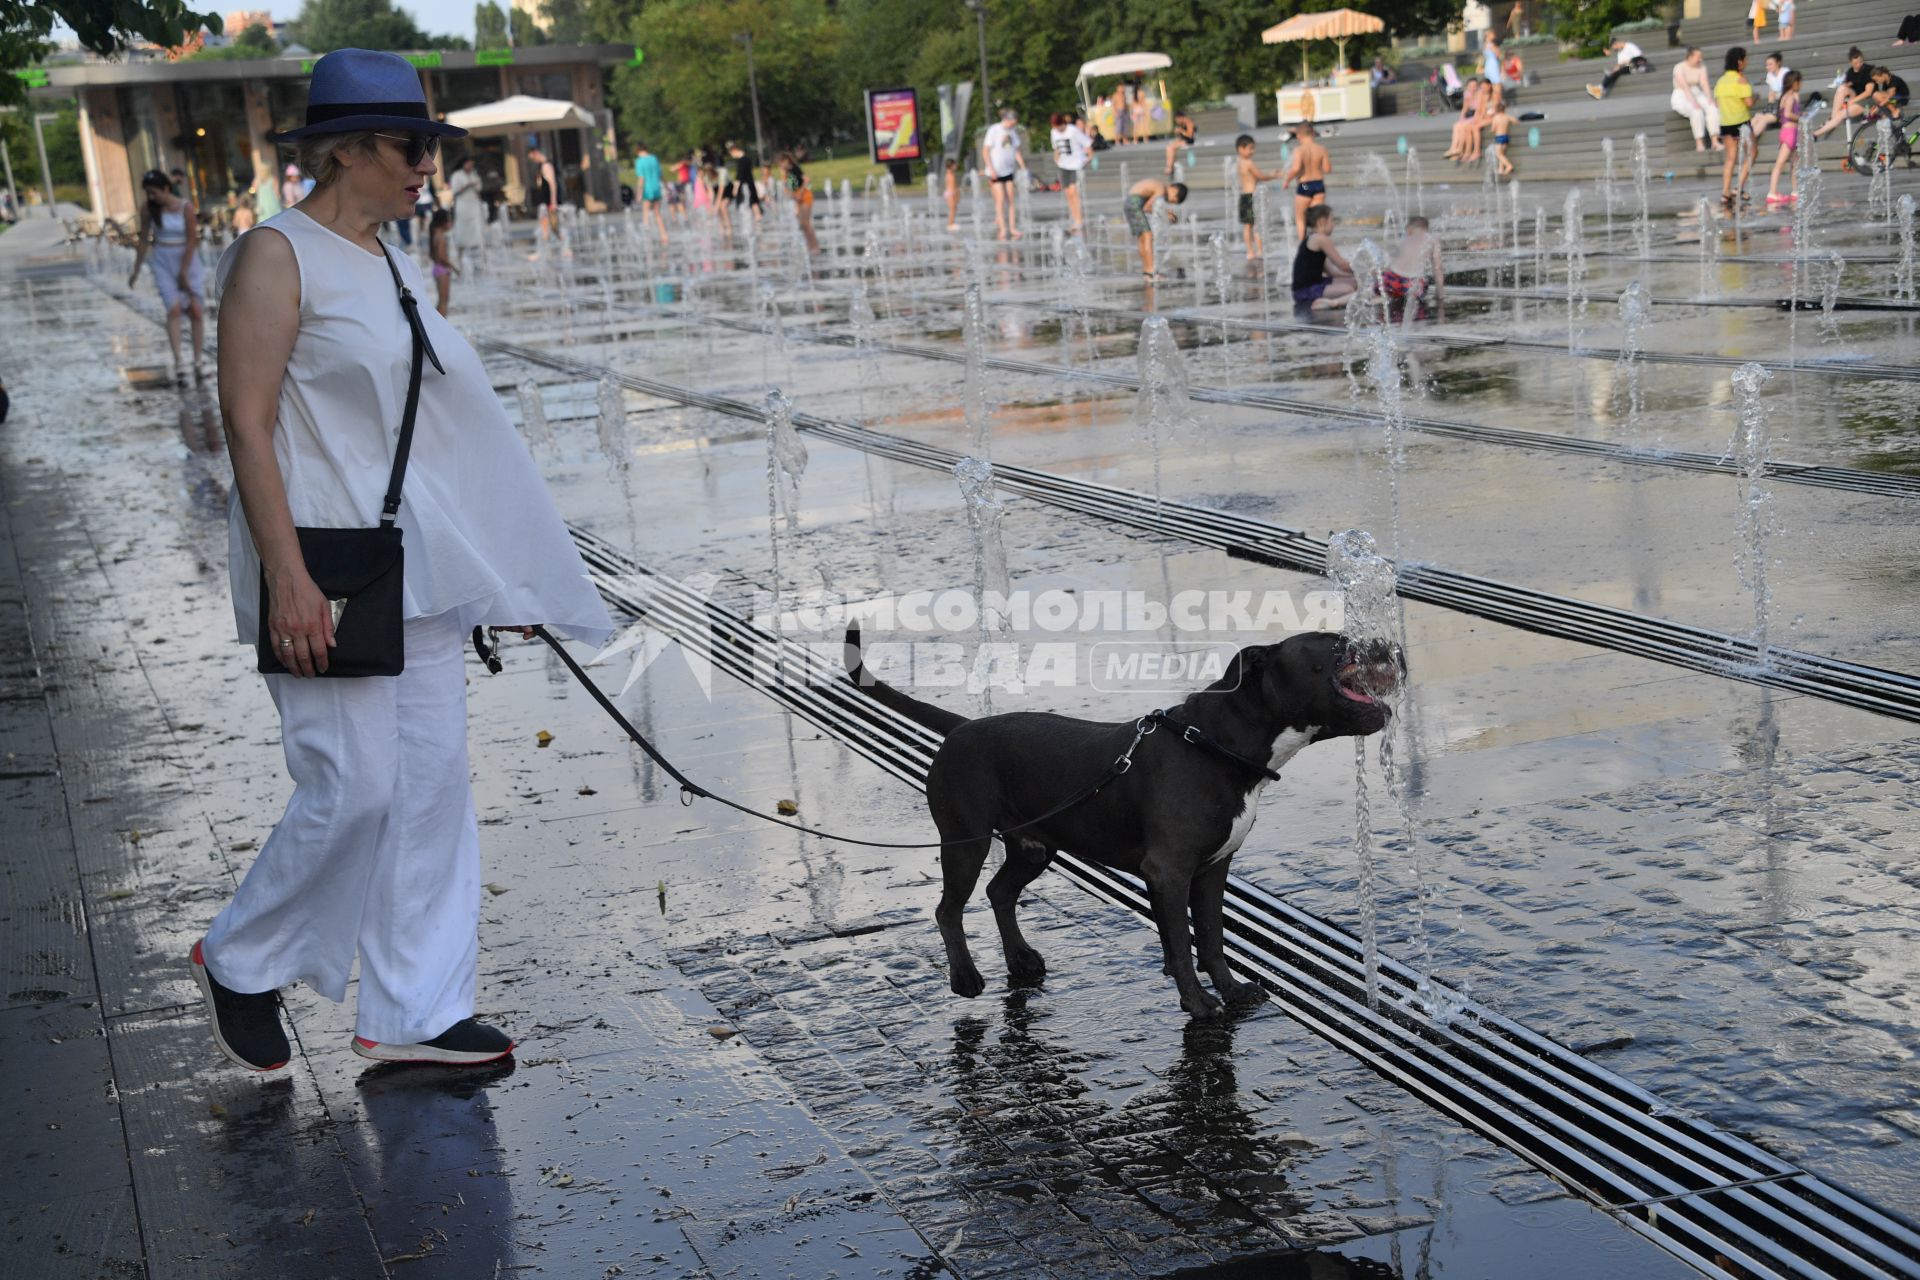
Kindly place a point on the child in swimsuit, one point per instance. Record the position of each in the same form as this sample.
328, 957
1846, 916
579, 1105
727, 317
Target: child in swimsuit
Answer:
1308, 169
1414, 264
1315, 285
443, 268
1251, 175
1789, 141
1501, 125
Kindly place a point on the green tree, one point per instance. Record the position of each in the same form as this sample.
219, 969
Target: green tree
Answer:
1590, 23
692, 88
63, 146
489, 26
357, 24
105, 26
568, 21
256, 41
526, 31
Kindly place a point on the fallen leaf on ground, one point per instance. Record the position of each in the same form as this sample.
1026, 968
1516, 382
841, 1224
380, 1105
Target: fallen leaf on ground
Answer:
496, 889
215, 1109
788, 807
543, 737
241, 846
722, 1033
116, 895
588, 791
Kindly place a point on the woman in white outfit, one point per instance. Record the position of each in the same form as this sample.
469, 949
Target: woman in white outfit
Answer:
377, 855
469, 211
1693, 98
170, 237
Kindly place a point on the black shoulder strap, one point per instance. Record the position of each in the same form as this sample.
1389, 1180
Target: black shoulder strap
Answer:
421, 348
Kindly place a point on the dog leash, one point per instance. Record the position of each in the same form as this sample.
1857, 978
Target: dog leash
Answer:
489, 654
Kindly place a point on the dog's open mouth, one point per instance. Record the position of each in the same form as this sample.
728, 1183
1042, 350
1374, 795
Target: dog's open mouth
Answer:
1365, 682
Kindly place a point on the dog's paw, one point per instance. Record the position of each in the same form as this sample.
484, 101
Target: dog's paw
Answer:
1026, 965
1243, 994
1205, 1007
967, 982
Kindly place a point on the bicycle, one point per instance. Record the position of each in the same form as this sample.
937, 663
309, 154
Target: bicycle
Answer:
1868, 154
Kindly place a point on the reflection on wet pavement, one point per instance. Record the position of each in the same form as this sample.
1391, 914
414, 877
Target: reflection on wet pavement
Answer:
739, 1055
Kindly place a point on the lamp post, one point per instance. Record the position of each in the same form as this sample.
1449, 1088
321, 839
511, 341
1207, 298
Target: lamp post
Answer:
46, 171
753, 94
979, 8
6, 158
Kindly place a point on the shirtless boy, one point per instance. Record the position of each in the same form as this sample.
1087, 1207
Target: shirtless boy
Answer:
1308, 172
1251, 175
1139, 206
1415, 266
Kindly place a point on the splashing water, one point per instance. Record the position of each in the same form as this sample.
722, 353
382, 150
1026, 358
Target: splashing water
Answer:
1636, 306
1366, 311
1805, 223
786, 460
1539, 246
1709, 246
533, 417
1752, 450
973, 393
1573, 244
1830, 295
991, 584
1366, 583
1411, 179
1163, 407
613, 428
1880, 182
1609, 185
1903, 284
862, 320
1642, 225
1373, 169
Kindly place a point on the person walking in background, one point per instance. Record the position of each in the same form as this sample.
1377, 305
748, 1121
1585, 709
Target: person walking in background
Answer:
1139, 213
1001, 159
1734, 96
439, 232
646, 171
1757, 17
291, 188
1072, 148
745, 190
1789, 141
1786, 20
1693, 98
377, 855
950, 181
546, 202
1308, 171
802, 192
469, 210
170, 236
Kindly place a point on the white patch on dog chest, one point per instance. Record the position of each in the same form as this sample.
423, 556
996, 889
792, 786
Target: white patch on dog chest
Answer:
1285, 747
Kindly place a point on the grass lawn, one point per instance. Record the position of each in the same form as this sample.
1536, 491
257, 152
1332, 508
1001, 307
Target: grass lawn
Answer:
855, 168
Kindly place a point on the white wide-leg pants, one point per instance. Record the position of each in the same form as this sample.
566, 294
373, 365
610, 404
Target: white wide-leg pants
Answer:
1703, 114
378, 852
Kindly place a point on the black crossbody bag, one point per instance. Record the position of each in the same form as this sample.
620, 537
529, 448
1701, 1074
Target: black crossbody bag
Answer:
362, 571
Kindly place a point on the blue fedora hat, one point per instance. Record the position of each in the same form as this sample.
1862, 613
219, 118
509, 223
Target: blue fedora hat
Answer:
356, 89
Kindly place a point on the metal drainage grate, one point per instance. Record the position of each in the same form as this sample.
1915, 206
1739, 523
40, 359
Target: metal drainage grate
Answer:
1709, 1197
1890, 693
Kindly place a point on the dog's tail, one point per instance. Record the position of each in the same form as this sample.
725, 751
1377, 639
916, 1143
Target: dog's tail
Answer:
921, 713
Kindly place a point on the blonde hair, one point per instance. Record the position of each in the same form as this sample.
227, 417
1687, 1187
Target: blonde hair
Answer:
319, 156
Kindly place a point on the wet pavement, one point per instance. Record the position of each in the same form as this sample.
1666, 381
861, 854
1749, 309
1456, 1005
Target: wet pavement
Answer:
738, 1053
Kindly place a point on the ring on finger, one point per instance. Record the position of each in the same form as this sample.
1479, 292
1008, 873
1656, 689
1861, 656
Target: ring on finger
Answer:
286, 642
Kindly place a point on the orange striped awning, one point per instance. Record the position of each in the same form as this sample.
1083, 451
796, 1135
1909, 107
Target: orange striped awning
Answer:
1334, 24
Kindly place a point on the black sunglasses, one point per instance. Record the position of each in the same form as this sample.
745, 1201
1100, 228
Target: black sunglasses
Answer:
418, 145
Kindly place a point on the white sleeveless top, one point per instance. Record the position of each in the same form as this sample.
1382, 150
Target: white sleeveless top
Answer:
481, 534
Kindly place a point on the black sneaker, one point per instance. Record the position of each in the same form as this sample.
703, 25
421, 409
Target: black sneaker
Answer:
246, 1027
464, 1043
